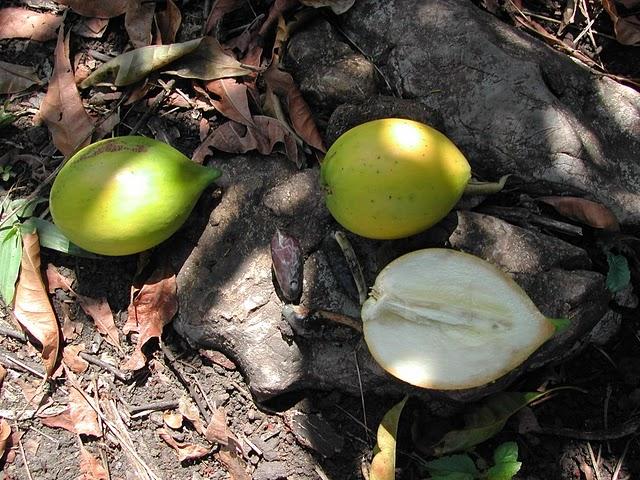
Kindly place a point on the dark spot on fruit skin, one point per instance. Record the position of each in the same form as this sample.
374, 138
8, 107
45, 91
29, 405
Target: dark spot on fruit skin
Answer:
110, 147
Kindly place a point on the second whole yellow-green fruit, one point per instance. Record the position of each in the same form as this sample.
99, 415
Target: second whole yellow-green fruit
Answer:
126, 194
392, 178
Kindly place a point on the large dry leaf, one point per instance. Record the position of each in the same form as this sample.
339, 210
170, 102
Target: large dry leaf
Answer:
62, 108
72, 359
153, 307
584, 211
218, 10
627, 28
138, 21
24, 23
219, 432
135, 65
234, 102
283, 84
185, 451
168, 21
91, 27
83, 416
208, 62
5, 434
96, 8
235, 466
338, 6
59, 420
57, 280
16, 78
233, 137
100, 311
32, 307
90, 467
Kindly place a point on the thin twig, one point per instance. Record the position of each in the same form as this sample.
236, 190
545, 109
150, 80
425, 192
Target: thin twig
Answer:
616, 472
605, 412
10, 362
24, 459
119, 374
353, 264
166, 89
153, 406
364, 407
596, 469
10, 332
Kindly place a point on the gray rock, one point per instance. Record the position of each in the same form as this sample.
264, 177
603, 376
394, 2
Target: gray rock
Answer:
510, 102
270, 471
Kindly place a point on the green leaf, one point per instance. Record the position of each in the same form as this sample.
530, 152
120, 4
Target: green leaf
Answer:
506, 462
453, 476
619, 275
561, 324
487, 419
383, 465
452, 464
51, 237
10, 257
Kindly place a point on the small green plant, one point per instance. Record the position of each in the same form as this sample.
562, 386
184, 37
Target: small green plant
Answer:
6, 173
462, 467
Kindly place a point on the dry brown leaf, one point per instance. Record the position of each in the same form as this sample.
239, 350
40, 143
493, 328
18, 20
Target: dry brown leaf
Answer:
218, 10
584, 211
90, 467
185, 451
62, 108
235, 466
152, 307
218, 358
96, 8
60, 420
91, 27
3, 374
32, 307
627, 29
16, 78
173, 420
188, 409
57, 280
24, 23
338, 6
169, 21
283, 84
233, 103
83, 416
138, 21
71, 358
278, 9
233, 137
5, 434
100, 311
219, 432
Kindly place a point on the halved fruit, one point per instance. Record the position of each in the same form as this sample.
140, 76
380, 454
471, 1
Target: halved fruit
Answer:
447, 320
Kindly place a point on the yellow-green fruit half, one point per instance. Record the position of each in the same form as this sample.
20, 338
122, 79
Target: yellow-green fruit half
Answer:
392, 178
124, 195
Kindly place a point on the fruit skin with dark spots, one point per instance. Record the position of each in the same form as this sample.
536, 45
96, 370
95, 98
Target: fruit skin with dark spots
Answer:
392, 178
126, 194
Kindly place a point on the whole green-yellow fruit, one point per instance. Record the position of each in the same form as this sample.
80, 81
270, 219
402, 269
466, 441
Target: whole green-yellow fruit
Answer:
392, 178
124, 195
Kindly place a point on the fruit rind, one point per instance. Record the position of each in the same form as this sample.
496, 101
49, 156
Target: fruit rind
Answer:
447, 320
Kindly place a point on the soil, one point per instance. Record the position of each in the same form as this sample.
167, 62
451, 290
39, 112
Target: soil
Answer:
581, 427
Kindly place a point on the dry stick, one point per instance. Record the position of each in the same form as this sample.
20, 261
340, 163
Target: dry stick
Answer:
153, 406
364, 407
24, 458
593, 461
605, 412
10, 332
10, 362
173, 365
616, 472
119, 374
555, 20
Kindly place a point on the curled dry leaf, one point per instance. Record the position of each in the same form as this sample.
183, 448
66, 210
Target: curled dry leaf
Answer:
5, 435
208, 62
627, 28
83, 416
185, 451
90, 467
96, 8
138, 21
71, 358
32, 307
100, 311
338, 6
233, 137
283, 84
16, 78
135, 65
233, 103
25, 23
189, 411
62, 108
3, 374
152, 307
168, 21
173, 420
584, 211
218, 358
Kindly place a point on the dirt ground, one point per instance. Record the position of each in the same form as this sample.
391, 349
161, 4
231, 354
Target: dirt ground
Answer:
585, 437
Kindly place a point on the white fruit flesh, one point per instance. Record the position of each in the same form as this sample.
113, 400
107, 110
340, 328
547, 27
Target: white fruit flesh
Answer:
447, 320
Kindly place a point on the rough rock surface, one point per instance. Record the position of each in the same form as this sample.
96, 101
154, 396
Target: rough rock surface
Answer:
511, 103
